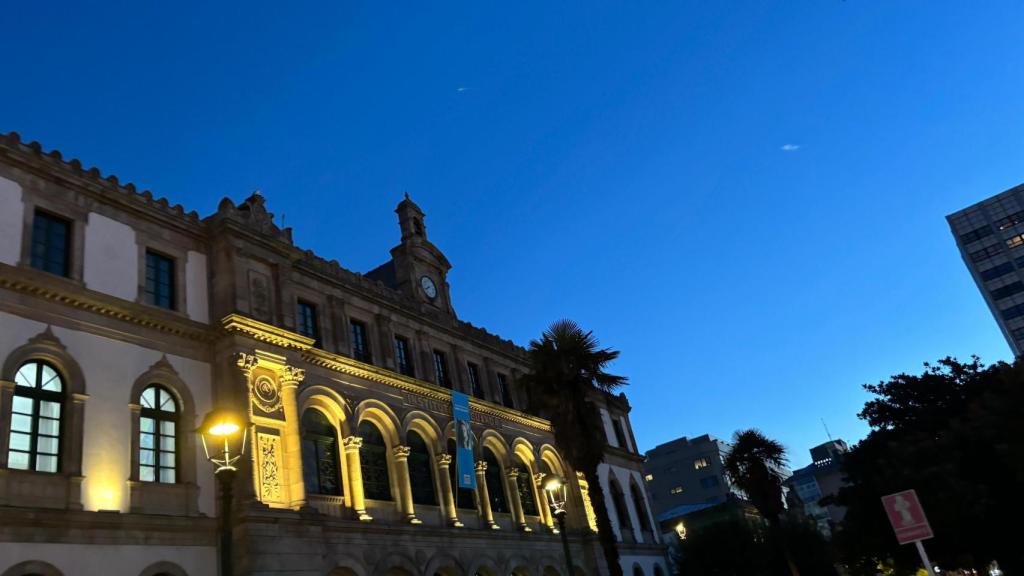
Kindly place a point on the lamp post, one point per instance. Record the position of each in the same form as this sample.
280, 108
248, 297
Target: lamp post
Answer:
556, 490
223, 434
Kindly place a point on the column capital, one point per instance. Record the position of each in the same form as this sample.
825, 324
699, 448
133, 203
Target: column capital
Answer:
444, 460
352, 443
512, 472
401, 452
480, 466
247, 362
538, 478
292, 376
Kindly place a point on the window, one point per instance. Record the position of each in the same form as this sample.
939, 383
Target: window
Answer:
463, 496
676, 490
709, 482
1018, 333
495, 484
986, 253
506, 394
1013, 312
621, 511
649, 477
373, 459
159, 280
1007, 291
1015, 241
474, 380
639, 506
998, 271
524, 484
305, 321
700, 463
360, 348
620, 434
403, 356
976, 234
441, 369
158, 450
36, 418
421, 471
51, 244
1012, 219
320, 465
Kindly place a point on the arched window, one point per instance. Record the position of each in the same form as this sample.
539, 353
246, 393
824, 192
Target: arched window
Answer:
638, 505
320, 470
638, 571
619, 501
373, 455
158, 446
495, 485
463, 496
421, 473
658, 571
36, 418
525, 486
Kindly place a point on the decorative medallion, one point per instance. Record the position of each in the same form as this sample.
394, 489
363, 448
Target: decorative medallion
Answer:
266, 395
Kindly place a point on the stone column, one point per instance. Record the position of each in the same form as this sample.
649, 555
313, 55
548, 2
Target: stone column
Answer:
290, 379
512, 475
481, 494
75, 452
444, 479
6, 405
401, 454
545, 508
352, 445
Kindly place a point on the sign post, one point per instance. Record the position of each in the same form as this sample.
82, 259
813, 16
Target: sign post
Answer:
909, 522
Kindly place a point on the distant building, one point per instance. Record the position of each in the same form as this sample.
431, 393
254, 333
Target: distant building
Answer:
687, 471
822, 477
990, 235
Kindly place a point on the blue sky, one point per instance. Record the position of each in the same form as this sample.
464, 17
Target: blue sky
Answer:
746, 198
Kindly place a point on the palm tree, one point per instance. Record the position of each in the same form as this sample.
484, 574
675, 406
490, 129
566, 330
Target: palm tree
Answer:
567, 368
753, 465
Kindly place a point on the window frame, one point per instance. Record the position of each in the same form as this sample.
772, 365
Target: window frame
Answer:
364, 352
151, 299
53, 217
159, 416
317, 442
314, 321
403, 356
504, 390
476, 388
367, 448
421, 457
441, 376
37, 395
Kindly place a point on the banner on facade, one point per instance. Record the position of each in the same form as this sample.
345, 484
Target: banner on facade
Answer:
463, 441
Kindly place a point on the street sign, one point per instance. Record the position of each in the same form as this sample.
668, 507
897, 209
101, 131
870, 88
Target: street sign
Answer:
907, 517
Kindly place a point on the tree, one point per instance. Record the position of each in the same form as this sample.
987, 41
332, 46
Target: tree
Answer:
955, 434
566, 369
753, 465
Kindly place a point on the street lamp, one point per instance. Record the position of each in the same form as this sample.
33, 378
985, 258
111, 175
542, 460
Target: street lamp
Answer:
223, 434
556, 490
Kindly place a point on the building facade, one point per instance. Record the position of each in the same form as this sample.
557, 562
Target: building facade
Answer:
687, 471
124, 319
821, 478
990, 235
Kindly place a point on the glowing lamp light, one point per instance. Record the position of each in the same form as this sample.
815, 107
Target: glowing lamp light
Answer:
555, 488
681, 531
223, 434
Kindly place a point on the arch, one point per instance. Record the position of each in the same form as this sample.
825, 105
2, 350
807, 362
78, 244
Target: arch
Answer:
482, 566
619, 505
494, 475
550, 456
396, 564
32, 568
163, 569
444, 564
375, 461
528, 496
347, 565
421, 469
163, 374
497, 444
518, 565
449, 434
550, 570
658, 570
321, 457
47, 347
639, 502
637, 570
331, 403
425, 426
371, 410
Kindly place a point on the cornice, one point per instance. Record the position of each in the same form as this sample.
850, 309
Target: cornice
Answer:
263, 332
49, 287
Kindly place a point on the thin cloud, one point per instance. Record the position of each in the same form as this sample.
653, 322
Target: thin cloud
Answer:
461, 89
790, 147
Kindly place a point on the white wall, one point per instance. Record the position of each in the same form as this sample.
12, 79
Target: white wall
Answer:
196, 289
12, 210
646, 564
110, 368
609, 432
111, 262
93, 559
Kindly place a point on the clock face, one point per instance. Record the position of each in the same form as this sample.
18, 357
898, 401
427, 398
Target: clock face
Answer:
428, 287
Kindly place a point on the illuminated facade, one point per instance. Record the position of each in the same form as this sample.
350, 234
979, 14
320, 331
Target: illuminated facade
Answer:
124, 319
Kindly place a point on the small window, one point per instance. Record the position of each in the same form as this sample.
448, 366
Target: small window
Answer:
1013, 312
34, 443
506, 394
700, 463
403, 356
620, 434
1015, 241
158, 449
51, 244
474, 380
441, 369
1012, 219
986, 253
159, 280
676, 490
360, 347
1018, 333
998, 271
1007, 291
649, 477
977, 234
305, 321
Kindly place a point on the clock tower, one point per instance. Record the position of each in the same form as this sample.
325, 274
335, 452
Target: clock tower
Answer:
417, 267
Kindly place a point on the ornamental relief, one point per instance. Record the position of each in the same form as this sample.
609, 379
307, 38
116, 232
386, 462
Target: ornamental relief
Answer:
269, 464
266, 395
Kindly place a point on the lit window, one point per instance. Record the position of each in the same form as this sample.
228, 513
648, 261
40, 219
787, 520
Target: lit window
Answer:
51, 244
35, 418
649, 477
1015, 218
700, 463
159, 280
1015, 241
676, 490
360, 348
158, 418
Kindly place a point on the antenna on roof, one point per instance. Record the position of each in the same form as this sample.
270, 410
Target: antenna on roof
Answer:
827, 433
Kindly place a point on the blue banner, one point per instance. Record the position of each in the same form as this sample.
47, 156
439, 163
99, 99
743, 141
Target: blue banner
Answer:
463, 441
